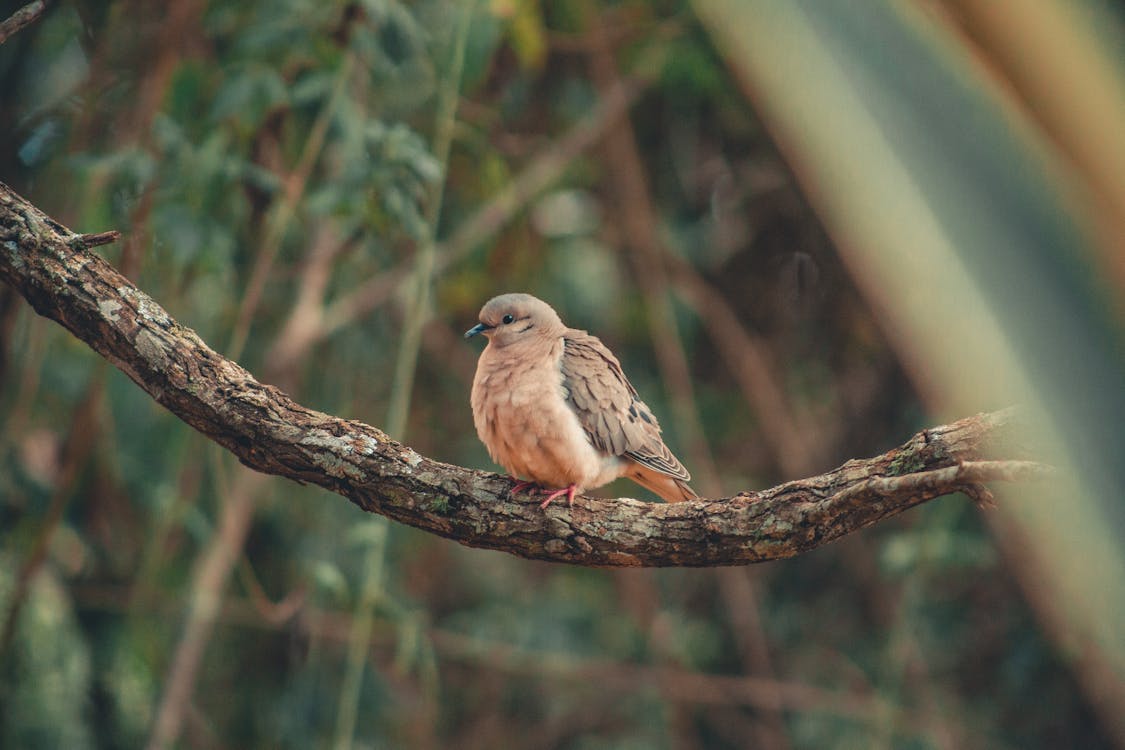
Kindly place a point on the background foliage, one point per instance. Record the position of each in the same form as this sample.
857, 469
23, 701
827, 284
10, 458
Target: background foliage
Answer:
328, 193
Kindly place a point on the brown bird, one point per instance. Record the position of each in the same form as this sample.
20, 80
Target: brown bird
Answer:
553, 407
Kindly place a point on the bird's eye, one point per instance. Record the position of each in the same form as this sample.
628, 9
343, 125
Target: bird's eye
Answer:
507, 318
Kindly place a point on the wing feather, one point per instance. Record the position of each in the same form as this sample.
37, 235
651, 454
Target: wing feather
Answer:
608, 408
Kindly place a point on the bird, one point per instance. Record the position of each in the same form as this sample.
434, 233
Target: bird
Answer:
554, 408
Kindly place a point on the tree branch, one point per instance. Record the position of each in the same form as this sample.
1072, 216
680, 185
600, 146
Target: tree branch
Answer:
25, 16
269, 432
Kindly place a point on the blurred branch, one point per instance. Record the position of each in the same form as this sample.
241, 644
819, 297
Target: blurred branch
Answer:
271, 433
209, 579
936, 138
417, 307
859, 704
275, 613
323, 319
547, 167
638, 216
25, 16
683, 684
747, 358
1072, 87
222, 552
75, 453
217, 561
740, 594
1098, 675
277, 223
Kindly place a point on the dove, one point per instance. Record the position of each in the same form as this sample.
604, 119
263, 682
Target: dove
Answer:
553, 407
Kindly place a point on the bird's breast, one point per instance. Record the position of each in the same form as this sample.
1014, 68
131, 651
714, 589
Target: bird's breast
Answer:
522, 417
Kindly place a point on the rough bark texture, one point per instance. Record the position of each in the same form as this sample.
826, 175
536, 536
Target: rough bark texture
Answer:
53, 269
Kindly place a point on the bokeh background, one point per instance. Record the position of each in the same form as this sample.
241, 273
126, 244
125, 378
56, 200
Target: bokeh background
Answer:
808, 228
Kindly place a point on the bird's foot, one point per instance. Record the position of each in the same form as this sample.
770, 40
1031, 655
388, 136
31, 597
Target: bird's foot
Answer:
521, 486
532, 488
568, 491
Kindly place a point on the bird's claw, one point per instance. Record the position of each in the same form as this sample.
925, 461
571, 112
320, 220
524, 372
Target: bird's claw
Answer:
568, 491
532, 488
520, 486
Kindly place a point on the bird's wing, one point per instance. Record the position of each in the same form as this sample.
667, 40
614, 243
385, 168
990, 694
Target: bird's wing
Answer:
607, 406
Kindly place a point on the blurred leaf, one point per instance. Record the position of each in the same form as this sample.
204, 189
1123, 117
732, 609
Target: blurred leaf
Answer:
907, 553
248, 94
370, 532
330, 578
956, 217
46, 672
525, 30
315, 86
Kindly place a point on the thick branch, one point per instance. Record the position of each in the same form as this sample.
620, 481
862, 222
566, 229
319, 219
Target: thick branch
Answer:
51, 267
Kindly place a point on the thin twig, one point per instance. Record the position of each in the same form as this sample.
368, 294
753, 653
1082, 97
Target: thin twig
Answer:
303, 328
25, 16
99, 238
275, 613
960, 475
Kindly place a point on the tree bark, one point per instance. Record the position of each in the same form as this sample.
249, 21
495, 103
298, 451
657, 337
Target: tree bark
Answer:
53, 269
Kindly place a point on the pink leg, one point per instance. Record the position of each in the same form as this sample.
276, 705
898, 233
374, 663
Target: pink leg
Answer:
568, 491
520, 486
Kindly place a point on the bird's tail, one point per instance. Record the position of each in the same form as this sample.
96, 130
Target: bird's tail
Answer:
673, 490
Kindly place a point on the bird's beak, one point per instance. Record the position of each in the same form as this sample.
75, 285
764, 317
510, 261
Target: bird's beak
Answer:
478, 328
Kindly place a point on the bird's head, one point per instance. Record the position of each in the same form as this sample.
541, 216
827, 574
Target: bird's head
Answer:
511, 318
